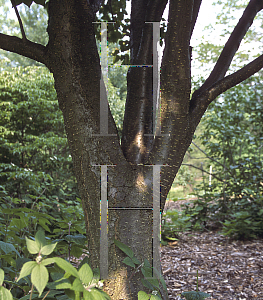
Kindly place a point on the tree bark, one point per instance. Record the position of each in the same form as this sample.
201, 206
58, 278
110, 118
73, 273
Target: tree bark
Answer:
74, 62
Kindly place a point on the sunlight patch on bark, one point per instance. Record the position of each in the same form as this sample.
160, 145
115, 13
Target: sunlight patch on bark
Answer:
117, 288
140, 183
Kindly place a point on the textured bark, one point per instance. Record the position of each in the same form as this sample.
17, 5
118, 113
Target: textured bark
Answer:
72, 57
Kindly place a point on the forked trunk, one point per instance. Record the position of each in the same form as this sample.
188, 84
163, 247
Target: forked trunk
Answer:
74, 62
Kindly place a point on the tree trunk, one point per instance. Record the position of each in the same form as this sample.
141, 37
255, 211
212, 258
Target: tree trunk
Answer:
74, 62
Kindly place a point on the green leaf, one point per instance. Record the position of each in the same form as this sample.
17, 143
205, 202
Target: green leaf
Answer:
127, 250
66, 266
146, 263
143, 296
147, 272
46, 250
39, 277
78, 239
136, 261
32, 246
47, 261
96, 273
27, 269
127, 261
5, 294
7, 247
2, 276
147, 284
77, 285
84, 261
60, 284
40, 239
76, 250
160, 278
95, 294
85, 274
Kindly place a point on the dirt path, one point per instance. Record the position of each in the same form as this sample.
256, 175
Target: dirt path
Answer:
229, 270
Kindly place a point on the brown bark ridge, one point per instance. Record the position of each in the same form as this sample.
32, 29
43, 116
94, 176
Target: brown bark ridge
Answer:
72, 57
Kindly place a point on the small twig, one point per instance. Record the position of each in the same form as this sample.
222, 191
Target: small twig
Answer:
31, 292
196, 280
69, 246
190, 165
19, 20
46, 295
211, 157
38, 198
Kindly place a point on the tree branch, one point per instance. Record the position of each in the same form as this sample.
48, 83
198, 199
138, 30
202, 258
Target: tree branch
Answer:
208, 155
232, 45
138, 118
156, 9
197, 4
19, 20
175, 85
200, 103
237, 77
24, 47
190, 165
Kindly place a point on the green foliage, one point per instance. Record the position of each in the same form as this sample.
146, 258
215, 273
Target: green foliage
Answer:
54, 276
149, 281
37, 184
115, 13
233, 142
173, 222
195, 295
117, 92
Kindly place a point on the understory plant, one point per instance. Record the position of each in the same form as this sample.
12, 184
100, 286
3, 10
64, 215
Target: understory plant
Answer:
54, 278
233, 144
173, 222
195, 295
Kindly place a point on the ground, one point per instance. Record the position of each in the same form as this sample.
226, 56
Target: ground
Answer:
229, 270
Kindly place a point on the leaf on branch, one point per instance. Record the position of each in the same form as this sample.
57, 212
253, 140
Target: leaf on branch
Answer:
127, 261
85, 274
127, 250
39, 277
27, 269
32, 246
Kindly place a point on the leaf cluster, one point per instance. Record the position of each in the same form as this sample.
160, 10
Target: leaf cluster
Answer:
54, 276
233, 138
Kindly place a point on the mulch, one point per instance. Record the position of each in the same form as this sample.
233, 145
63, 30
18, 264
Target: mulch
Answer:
227, 269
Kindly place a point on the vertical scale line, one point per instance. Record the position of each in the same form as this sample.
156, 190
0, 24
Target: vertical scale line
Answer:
156, 73
156, 82
156, 218
104, 76
104, 224
104, 109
